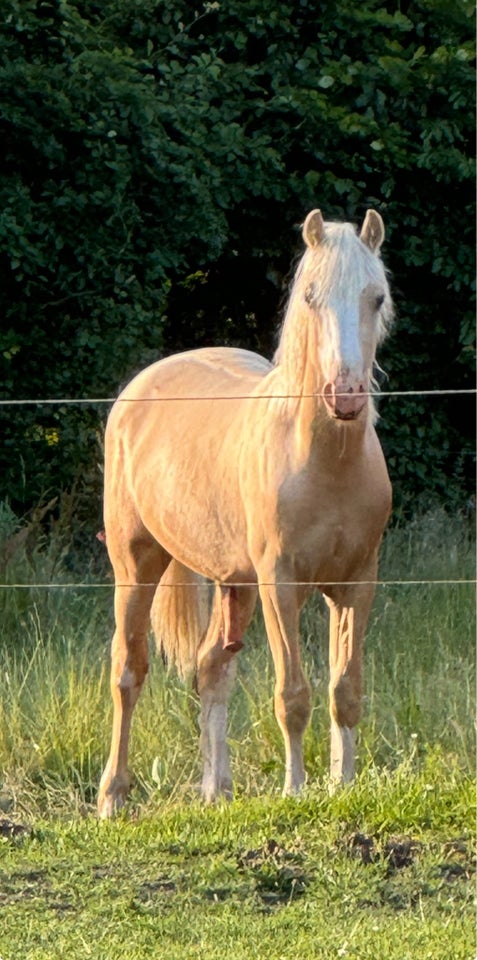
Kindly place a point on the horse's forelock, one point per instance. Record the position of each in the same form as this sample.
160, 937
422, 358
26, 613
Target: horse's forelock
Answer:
340, 266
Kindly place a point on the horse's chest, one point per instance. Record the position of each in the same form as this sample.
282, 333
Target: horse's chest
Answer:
330, 529
331, 542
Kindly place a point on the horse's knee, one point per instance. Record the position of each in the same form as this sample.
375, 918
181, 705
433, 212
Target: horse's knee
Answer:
345, 701
131, 678
129, 664
293, 708
216, 672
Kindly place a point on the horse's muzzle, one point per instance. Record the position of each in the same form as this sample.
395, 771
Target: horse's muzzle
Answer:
345, 400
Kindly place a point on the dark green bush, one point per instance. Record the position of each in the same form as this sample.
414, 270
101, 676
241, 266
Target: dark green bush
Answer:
156, 162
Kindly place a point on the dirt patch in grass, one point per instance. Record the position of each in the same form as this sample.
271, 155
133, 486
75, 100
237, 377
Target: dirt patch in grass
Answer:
31, 885
279, 876
397, 852
9, 830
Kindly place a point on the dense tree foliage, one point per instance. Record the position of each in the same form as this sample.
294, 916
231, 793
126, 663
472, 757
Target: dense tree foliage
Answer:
156, 162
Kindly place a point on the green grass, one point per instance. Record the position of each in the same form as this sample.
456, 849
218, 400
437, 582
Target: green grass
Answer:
263, 878
382, 869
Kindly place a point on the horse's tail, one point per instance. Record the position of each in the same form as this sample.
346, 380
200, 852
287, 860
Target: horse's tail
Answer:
180, 616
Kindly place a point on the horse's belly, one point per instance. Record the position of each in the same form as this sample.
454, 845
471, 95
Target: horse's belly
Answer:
187, 496
201, 540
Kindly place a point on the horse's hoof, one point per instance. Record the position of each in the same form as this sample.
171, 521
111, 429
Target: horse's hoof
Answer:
212, 792
111, 797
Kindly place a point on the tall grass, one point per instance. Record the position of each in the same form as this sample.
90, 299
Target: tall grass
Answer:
54, 688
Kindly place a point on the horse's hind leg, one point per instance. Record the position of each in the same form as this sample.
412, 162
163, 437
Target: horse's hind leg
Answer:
138, 568
232, 611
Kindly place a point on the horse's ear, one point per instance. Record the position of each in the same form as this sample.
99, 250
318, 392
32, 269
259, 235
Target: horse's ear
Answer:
314, 229
372, 232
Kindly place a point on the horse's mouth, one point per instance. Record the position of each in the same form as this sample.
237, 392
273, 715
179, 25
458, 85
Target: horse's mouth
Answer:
349, 415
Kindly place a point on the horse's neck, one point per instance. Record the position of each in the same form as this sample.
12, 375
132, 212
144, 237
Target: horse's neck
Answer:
315, 436
321, 440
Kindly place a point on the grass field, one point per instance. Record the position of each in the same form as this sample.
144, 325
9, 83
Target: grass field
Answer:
381, 870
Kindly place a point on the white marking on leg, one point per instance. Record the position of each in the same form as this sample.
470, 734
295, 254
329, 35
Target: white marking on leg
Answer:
295, 771
342, 756
217, 777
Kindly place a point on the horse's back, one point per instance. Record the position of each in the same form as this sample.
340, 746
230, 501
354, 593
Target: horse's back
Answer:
198, 373
177, 414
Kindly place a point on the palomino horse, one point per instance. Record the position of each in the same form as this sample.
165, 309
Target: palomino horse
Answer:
263, 478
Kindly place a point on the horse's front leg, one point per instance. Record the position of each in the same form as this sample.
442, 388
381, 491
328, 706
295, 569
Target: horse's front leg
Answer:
281, 603
349, 611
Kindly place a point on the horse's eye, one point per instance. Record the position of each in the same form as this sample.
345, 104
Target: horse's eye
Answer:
379, 301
